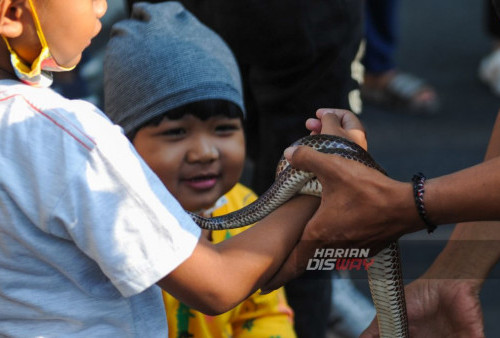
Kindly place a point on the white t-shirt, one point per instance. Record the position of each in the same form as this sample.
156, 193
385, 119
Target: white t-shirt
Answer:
86, 228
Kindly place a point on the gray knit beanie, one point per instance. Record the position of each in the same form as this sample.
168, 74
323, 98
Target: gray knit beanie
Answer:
163, 58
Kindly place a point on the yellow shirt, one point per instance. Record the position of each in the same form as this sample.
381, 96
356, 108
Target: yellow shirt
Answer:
258, 316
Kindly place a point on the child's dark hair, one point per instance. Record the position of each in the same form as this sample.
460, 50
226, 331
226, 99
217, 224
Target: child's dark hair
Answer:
201, 109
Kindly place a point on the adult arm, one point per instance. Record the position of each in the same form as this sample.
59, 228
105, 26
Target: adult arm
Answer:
367, 206
215, 278
445, 300
361, 207
472, 250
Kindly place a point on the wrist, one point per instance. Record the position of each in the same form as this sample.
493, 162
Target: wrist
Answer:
407, 216
459, 260
418, 194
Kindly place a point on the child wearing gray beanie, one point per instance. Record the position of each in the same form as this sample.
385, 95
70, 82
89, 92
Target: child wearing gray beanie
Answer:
163, 58
174, 87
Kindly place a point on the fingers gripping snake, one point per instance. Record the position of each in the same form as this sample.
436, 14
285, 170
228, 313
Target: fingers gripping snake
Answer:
384, 275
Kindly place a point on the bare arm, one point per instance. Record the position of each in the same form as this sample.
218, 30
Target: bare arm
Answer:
215, 278
445, 300
471, 194
473, 242
488, 253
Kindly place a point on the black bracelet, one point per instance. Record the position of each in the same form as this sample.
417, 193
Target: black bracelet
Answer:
418, 191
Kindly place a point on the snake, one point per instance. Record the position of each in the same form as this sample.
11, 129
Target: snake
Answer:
385, 277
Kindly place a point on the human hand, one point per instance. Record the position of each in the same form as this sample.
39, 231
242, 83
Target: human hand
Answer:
338, 122
360, 207
441, 308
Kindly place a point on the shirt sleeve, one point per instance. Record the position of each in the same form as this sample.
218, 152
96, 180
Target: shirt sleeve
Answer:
119, 214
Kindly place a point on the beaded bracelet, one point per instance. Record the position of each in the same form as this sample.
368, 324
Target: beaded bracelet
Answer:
418, 191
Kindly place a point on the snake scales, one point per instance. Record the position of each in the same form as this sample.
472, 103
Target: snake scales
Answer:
384, 275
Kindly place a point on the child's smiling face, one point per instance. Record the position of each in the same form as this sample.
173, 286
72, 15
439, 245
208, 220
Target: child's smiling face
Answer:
198, 161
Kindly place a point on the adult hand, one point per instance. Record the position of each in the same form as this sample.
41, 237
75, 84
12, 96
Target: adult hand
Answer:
360, 207
338, 122
441, 308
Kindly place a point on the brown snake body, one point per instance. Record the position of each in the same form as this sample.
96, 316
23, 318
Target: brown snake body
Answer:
384, 275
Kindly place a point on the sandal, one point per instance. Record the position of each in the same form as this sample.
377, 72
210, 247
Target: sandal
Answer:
489, 71
403, 91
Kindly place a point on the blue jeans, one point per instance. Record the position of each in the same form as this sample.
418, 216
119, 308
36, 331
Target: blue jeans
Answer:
381, 35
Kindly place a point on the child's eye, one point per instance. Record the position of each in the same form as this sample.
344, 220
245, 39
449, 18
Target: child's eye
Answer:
227, 128
174, 132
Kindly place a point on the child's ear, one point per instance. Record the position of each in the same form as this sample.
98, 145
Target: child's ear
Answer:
11, 12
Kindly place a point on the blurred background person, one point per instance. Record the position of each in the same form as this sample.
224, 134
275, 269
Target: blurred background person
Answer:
384, 84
